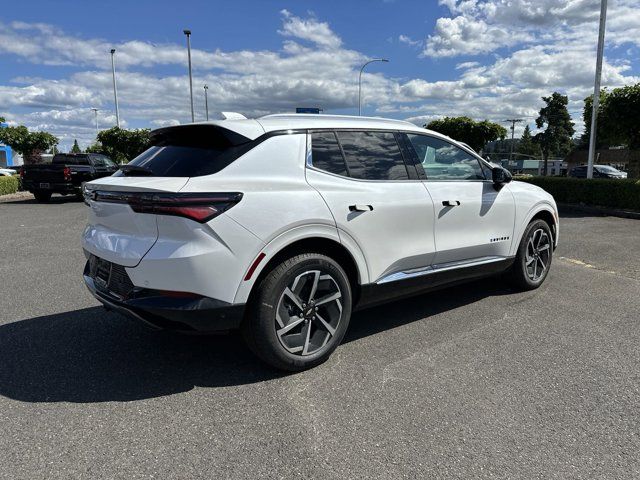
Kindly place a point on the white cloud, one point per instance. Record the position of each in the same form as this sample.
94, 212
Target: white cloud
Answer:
409, 41
314, 67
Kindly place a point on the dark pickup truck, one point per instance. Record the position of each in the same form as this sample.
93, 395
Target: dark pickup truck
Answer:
65, 174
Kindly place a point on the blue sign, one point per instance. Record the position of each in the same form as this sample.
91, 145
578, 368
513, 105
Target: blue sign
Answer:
308, 110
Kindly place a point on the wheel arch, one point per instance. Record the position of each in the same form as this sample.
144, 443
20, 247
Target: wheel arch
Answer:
543, 211
293, 243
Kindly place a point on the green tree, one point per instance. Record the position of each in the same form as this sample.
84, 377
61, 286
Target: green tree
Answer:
526, 145
618, 117
76, 147
475, 134
556, 137
29, 144
2, 120
121, 145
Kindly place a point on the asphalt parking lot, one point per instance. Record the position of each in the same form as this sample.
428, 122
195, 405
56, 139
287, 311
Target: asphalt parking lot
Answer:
472, 382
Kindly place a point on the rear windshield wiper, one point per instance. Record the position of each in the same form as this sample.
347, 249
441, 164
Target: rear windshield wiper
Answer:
135, 171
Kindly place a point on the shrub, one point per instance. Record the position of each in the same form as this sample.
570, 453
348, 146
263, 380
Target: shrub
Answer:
8, 185
622, 194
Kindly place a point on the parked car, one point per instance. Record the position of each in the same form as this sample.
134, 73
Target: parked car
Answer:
599, 171
65, 174
282, 226
7, 172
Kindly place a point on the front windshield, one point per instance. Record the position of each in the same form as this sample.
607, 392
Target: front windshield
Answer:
607, 169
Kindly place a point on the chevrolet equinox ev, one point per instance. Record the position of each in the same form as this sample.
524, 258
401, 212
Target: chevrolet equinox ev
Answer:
282, 226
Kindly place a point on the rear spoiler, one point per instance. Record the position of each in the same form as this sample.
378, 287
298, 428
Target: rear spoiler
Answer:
198, 135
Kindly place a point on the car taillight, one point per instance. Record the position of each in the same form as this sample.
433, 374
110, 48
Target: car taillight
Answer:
67, 174
200, 207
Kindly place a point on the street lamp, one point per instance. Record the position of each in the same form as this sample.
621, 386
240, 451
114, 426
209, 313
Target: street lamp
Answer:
360, 82
596, 89
188, 34
206, 101
95, 110
115, 88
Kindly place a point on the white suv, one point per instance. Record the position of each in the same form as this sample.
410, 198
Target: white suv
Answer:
283, 225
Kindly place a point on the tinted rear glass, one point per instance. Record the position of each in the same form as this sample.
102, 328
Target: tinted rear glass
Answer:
190, 151
373, 155
326, 154
71, 159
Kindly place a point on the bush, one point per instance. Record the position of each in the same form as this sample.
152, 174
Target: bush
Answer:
8, 185
622, 194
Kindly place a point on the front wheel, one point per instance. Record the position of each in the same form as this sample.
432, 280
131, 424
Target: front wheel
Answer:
299, 312
534, 256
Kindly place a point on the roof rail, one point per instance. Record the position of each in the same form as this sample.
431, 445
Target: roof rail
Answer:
233, 116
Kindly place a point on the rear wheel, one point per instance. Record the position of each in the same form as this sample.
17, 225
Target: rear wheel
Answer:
299, 313
42, 196
534, 256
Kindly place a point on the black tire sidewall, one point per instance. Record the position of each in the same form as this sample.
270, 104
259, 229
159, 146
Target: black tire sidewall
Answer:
265, 340
520, 267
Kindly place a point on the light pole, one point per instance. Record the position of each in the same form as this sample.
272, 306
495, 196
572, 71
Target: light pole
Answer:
115, 88
206, 101
188, 34
360, 82
596, 89
95, 110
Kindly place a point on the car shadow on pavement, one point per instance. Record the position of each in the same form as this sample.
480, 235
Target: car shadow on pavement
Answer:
91, 355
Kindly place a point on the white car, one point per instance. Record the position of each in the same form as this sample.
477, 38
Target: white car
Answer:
283, 225
7, 172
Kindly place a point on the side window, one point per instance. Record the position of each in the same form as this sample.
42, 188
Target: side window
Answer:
97, 161
442, 160
373, 155
107, 161
326, 154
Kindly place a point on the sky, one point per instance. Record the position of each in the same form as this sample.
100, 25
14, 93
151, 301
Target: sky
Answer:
487, 59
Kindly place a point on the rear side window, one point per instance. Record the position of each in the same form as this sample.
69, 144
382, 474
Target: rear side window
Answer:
188, 151
326, 154
373, 155
71, 159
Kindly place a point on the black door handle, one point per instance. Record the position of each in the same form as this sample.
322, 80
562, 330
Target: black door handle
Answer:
450, 203
360, 208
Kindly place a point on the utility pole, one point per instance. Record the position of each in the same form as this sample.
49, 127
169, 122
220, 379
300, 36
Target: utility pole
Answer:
513, 122
596, 88
115, 89
188, 34
95, 110
206, 101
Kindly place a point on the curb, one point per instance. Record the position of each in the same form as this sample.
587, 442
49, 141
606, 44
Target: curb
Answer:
602, 211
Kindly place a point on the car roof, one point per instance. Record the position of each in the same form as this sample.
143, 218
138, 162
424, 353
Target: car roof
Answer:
253, 128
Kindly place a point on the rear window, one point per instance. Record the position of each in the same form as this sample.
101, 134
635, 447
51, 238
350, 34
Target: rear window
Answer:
71, 159
373, 155
189, 151
326, 154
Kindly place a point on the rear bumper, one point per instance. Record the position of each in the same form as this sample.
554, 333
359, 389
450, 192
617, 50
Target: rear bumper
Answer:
32, 185
201, 314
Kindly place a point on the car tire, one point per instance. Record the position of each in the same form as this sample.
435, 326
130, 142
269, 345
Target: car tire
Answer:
42, 197
299, 312
534, 256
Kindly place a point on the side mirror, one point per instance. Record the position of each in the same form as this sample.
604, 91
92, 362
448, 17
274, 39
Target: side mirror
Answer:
500, 175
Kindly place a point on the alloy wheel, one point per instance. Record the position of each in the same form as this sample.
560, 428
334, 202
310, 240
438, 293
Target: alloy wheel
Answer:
538, 254
309, 312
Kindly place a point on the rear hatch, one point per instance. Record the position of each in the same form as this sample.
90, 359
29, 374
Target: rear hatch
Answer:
122, 225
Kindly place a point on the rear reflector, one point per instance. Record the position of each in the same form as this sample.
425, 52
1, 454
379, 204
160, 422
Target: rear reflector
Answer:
200, 207
253, 266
